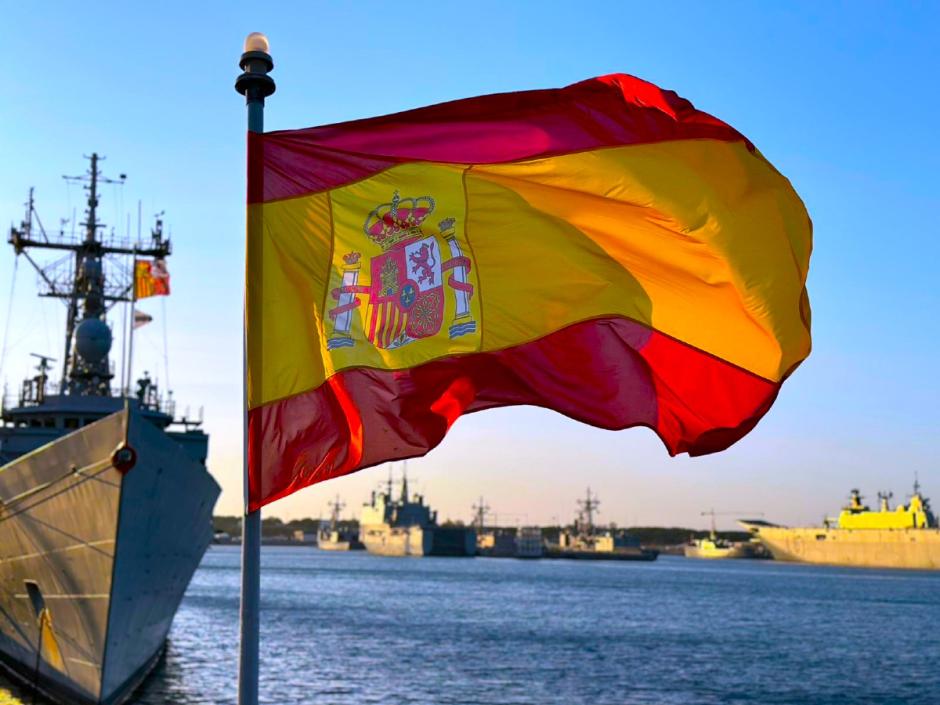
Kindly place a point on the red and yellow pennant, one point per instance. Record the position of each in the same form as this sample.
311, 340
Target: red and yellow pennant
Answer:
604, 250
151, 278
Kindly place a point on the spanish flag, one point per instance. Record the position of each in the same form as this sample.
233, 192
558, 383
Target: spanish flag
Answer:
151, 278
604, 250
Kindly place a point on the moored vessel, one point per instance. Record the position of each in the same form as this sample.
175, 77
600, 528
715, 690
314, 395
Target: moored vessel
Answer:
408, 527
904, 537
713, 546
584, 541
337, 536
105, 500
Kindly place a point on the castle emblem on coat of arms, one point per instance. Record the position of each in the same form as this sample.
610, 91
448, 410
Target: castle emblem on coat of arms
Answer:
407, 280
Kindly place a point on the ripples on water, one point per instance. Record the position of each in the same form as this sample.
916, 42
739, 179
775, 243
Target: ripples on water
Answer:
349, 628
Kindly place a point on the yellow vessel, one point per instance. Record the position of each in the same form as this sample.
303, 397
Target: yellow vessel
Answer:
904, 537
714, 547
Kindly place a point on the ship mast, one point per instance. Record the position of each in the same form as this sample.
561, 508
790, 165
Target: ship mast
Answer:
336, 506
86, 368
586, 509
404, 483
480, 510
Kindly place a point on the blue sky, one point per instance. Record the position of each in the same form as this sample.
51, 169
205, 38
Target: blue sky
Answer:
840, 97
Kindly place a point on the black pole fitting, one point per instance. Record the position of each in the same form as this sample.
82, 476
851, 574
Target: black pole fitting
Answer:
254, 83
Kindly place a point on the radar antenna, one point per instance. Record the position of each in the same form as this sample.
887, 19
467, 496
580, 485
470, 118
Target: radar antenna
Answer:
82, 281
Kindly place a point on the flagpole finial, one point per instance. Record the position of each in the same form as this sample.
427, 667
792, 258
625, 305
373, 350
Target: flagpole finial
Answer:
256, 63
257, 41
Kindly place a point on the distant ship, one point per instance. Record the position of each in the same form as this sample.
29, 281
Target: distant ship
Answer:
408, 527
105, 500
335, 536
904, 537
714, 547
496, 542
586, 542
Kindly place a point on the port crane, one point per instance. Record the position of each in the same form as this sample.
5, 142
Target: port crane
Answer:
712, 513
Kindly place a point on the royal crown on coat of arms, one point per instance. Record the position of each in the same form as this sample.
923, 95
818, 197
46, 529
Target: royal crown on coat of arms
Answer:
392, 223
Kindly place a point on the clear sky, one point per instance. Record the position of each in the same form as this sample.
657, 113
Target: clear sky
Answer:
842, 98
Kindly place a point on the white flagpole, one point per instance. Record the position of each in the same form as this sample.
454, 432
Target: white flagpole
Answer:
130, 333
255, 85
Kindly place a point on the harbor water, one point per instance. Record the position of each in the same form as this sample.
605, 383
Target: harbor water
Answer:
351, 628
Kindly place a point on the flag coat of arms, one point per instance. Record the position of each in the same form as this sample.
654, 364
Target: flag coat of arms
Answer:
604, 250
406, 278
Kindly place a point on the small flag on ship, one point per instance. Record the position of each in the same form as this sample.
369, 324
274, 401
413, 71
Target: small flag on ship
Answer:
605, 250
151, 278
141, 318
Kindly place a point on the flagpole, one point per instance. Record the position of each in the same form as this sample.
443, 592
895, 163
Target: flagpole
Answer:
255, 85
130, 335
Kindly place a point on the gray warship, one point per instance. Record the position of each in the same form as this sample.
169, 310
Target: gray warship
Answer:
337, 535
585, 542
105, 500
408, 527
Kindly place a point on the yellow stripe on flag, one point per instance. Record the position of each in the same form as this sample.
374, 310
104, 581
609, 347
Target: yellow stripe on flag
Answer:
667, 234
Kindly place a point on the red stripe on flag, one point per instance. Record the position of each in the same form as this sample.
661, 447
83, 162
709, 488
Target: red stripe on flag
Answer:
373, 314
608, 111
612, 373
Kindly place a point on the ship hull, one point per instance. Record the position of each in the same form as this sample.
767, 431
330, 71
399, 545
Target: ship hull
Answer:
417, 541
345, 544
396, 541
111, 553
910, 549
638, 554
333, 545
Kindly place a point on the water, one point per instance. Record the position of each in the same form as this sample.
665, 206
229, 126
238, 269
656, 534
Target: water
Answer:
349, 628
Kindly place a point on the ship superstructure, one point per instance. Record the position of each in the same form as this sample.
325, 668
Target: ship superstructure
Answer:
906, 536
584, 540
408, 527
105, 500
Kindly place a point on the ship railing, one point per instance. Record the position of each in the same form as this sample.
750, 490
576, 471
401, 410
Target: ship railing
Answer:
188, 420
33, 391
150, 402
110, 239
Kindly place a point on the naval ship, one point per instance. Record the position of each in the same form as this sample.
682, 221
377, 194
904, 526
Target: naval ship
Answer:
105, 500
904, 537
584, 541
336, 536
408, 527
